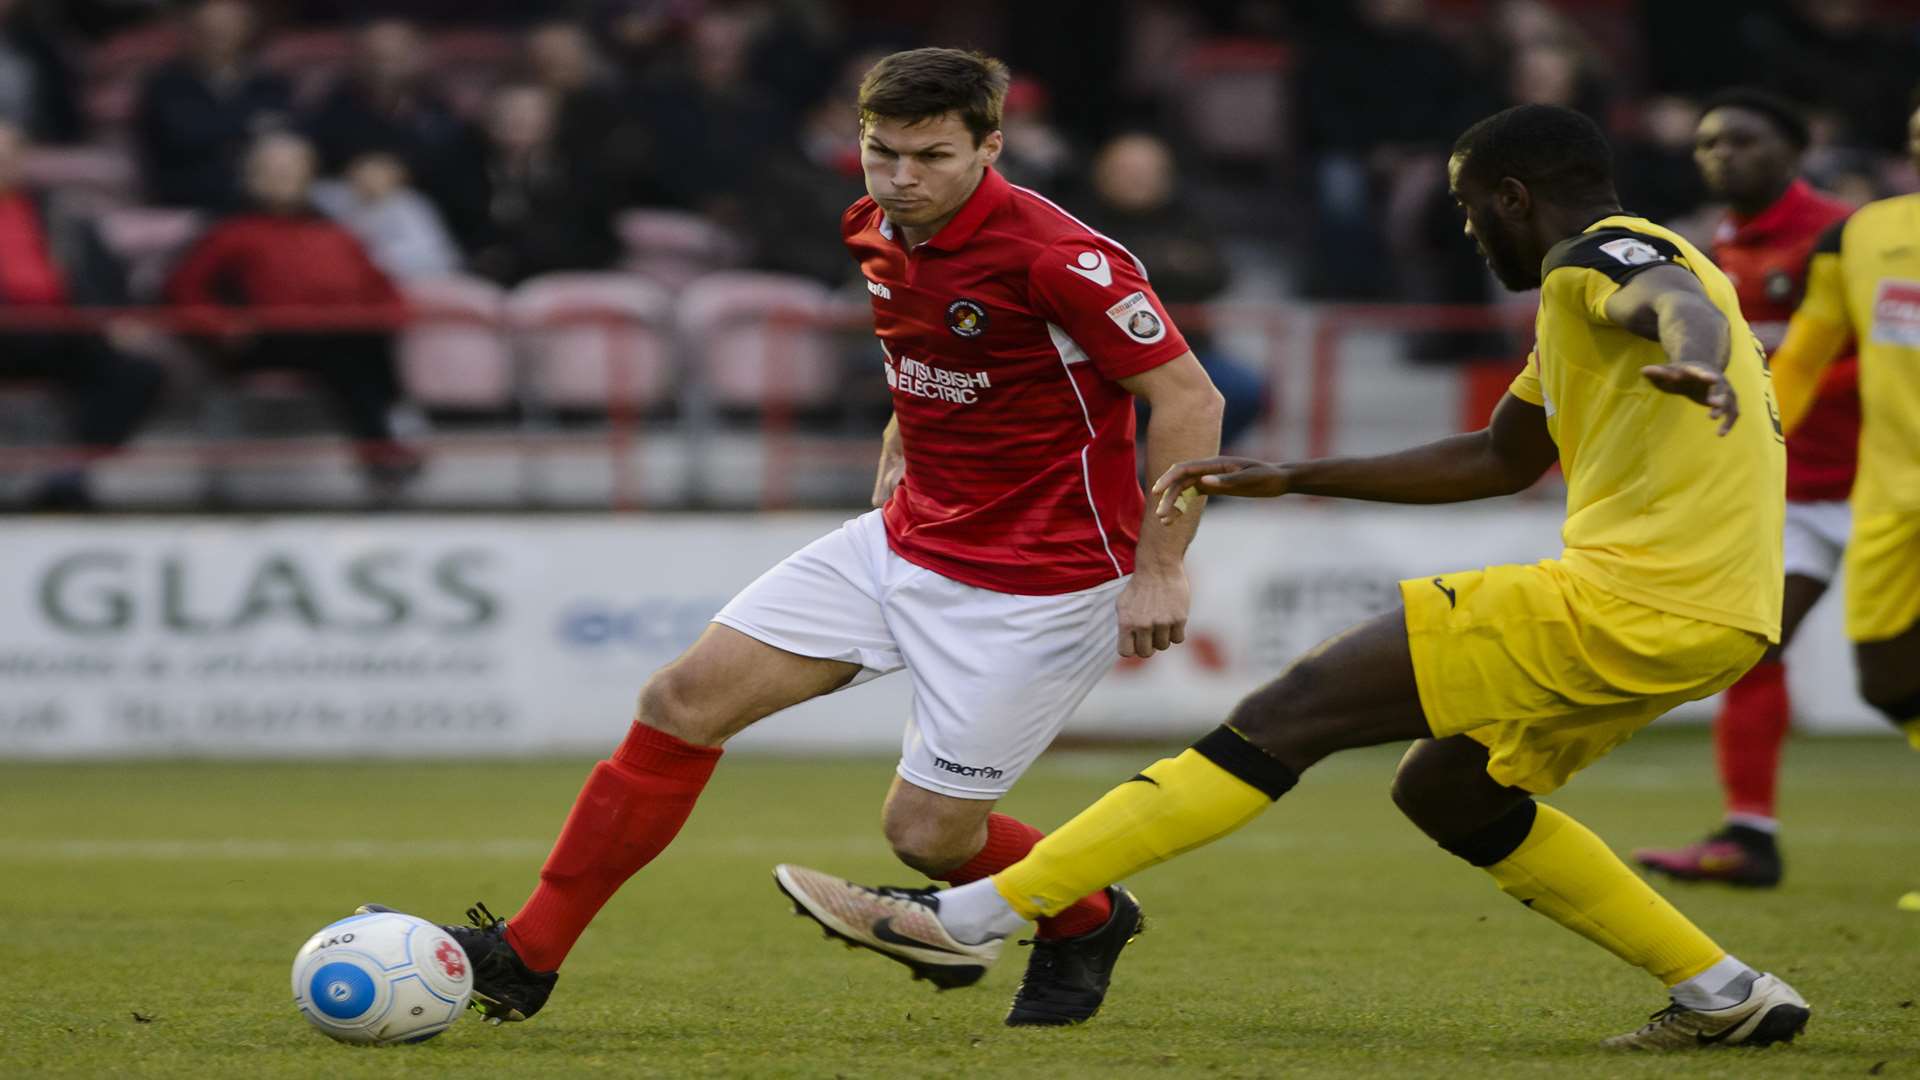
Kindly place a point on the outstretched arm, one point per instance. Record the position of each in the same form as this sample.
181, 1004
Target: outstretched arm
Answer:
1667, 304
1185, 422
1506, 456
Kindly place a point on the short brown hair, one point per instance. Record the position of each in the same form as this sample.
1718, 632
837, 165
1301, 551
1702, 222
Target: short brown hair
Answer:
921, 84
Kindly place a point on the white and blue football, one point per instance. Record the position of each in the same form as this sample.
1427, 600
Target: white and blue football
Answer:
381, 978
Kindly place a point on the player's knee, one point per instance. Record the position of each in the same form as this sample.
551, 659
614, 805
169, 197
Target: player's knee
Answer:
670, 702
931, 847
1285, 717
1419, 792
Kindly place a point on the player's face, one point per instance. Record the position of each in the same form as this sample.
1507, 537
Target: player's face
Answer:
922, 173
1494, 224
1741, 155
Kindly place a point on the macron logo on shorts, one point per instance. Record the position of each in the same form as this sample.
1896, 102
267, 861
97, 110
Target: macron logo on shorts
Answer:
981, 771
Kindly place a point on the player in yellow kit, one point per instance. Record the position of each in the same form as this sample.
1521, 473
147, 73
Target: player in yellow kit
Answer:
1512, 678
1863, 284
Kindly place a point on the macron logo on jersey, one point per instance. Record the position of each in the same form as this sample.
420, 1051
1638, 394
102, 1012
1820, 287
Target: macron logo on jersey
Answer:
1093, 266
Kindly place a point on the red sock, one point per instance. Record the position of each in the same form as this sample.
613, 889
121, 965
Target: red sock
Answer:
1747, 736
1008, 841
631, 808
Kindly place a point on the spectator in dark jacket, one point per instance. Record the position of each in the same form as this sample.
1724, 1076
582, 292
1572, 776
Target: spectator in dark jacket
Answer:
385, 106
197, 115
284, 254
1360, 128
812, 178
593, 125
545, 211
1136, 200
716, 121
50, 258
37, 89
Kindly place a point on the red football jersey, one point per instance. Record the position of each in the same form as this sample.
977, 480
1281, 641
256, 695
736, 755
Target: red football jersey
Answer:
1766, 257
1003, 337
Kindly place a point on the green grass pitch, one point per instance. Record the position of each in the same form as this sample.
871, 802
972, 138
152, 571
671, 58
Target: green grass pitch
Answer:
149, 913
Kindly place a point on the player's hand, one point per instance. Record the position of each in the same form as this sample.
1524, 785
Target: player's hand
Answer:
1240, 476
1701, 384
1153, 611
893, 469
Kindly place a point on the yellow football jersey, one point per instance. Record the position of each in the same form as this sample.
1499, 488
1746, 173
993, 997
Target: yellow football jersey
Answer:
1865, 276
1661, 509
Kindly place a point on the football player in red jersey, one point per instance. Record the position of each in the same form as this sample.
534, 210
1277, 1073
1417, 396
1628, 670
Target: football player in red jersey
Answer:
1748, 147
1010, 558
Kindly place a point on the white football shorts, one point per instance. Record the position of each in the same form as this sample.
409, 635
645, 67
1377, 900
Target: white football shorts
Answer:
995, 675
1816, 537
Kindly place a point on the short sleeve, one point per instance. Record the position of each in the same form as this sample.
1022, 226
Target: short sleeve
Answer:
1826, 292
1096, 294
1526, 385
1589, 268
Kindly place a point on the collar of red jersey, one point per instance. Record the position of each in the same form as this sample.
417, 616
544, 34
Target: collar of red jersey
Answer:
988, 196
1784, 209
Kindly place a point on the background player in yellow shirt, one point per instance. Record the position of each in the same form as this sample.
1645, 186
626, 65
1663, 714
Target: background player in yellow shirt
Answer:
1863, 283
1508, 679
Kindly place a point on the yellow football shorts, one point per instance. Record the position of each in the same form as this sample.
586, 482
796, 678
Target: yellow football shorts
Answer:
1549, 672
1883, 575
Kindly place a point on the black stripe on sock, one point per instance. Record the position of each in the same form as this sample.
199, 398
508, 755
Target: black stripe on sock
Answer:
1498, 838
1231, 751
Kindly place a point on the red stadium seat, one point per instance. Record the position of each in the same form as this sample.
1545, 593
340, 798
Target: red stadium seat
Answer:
674, 247
454, 355
751, 342
593, 339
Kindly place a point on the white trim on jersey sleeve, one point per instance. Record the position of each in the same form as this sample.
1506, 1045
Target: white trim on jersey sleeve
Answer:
1071, 353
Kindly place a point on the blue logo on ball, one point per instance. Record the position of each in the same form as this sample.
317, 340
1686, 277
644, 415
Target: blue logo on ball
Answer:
340, 990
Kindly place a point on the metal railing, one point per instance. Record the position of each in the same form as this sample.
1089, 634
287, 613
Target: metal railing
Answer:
1302, 349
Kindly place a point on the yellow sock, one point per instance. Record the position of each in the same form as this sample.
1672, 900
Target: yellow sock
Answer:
1912, 728
1566, 873
1180, 804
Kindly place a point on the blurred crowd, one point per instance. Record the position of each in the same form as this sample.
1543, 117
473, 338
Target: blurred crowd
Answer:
326, 154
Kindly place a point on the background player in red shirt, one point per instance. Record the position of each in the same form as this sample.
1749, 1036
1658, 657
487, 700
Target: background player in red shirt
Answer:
1748, 147
1012, 558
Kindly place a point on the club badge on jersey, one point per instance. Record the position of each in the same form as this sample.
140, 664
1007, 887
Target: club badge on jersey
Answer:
967, 318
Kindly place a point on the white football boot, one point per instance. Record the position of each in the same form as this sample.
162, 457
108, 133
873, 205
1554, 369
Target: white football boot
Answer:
900, 924
1772, 1013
